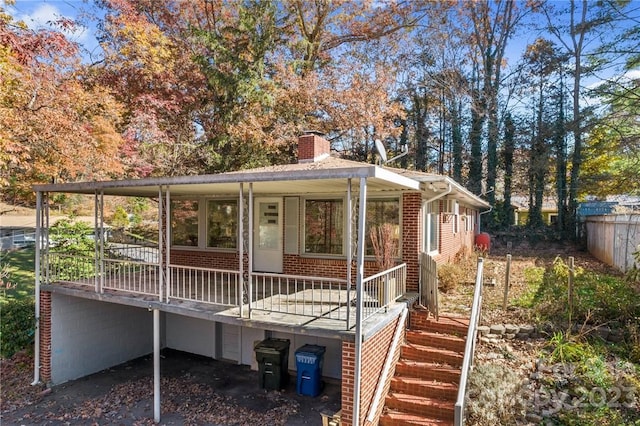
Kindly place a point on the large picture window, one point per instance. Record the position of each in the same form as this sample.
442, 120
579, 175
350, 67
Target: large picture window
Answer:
222, 224
184, 223
324, 226
383, 214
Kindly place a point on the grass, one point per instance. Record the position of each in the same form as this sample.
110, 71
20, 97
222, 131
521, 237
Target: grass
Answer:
19, 267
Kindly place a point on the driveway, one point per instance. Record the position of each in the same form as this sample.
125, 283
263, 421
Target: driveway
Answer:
195, 390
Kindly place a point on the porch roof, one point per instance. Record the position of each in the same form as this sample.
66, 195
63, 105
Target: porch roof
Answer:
326, 176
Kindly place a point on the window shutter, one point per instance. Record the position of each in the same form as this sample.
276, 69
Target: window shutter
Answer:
291, 225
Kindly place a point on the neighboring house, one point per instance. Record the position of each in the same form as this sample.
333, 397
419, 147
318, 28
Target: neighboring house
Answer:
282, 251
18, 231
521, 210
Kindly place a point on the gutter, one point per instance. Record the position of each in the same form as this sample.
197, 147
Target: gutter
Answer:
444, 194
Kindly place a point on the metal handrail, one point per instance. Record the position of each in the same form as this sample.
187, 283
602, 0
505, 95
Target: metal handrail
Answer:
470, 346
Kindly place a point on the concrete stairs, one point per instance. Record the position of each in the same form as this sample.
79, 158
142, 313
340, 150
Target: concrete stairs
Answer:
425, 386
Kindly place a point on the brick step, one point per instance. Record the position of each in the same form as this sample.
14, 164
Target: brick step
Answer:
426, 388
449, 325
437, 340
428, 407
428, 371
416, 352
398, 418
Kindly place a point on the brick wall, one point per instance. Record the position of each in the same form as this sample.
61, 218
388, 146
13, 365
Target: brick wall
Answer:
205, 259
45, 336
312, 147
374, 355
451, 243
411, 237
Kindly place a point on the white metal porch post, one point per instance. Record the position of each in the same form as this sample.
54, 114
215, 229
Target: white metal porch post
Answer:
349, 250
250, 248
362, 213
36, 346
160, 245
167, 241
240, 286
156, 365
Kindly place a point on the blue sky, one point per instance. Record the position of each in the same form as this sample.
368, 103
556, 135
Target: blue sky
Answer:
39, 13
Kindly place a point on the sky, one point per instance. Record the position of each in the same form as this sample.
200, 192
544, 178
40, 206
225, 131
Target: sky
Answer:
41, 13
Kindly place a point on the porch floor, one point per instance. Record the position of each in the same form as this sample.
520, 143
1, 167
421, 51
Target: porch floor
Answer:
314, 312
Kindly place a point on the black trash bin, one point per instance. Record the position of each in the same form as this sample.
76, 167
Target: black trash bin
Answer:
273, 363
309, 360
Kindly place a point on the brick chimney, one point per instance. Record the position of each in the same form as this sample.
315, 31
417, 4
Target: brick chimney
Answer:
312, 147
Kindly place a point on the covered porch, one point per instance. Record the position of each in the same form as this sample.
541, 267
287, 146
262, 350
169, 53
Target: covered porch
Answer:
247, 280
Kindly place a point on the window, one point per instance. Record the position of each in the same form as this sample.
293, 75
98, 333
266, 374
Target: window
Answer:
184, 223
222, 224
383, 212
324, 225
432, 226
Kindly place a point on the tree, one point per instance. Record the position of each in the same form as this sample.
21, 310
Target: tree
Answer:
492, 25
52, 125
577, 28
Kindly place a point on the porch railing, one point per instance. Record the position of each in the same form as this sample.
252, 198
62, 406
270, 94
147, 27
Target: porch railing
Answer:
132, 270
470, 347
381, 289
301, 295
76, 268
131, 276
217, 286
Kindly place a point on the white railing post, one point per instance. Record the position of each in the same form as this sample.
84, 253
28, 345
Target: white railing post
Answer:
362, 213
167, 214
250, 248
469, 348
349, 250
240, 283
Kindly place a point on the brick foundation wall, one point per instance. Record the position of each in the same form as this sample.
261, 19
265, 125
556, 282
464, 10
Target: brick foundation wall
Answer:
205, 259
45, 336
374, 355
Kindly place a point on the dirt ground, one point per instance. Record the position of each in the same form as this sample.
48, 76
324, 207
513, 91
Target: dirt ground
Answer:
195, 390
458, 300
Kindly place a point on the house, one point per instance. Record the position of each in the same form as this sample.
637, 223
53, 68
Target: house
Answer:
18, 230
549, 210
277, 252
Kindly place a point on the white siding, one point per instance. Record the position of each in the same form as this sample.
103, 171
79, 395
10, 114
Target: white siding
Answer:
89, 336
191, 335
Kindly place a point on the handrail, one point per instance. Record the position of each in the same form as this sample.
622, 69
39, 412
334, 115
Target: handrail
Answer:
470, 345
387, 366
383, 273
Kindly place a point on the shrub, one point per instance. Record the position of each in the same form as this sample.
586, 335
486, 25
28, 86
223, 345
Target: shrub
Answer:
449, 276
17, 326
494, 396
597, 298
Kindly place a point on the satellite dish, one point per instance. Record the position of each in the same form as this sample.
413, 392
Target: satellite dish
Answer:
382, 151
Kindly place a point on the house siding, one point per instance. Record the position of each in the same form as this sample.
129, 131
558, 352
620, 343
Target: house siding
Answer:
87, 336
452, 243
374, 355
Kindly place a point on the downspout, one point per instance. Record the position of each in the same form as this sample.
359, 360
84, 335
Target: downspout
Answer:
480, 218
362, 213
36, 345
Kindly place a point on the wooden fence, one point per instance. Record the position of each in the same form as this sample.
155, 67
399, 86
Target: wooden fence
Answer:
429, 283
614, 238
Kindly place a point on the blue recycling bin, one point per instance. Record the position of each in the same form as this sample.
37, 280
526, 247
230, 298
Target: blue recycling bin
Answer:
309, 360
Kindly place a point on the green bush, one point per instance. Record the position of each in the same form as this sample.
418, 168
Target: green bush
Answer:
17, 326
598, 298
